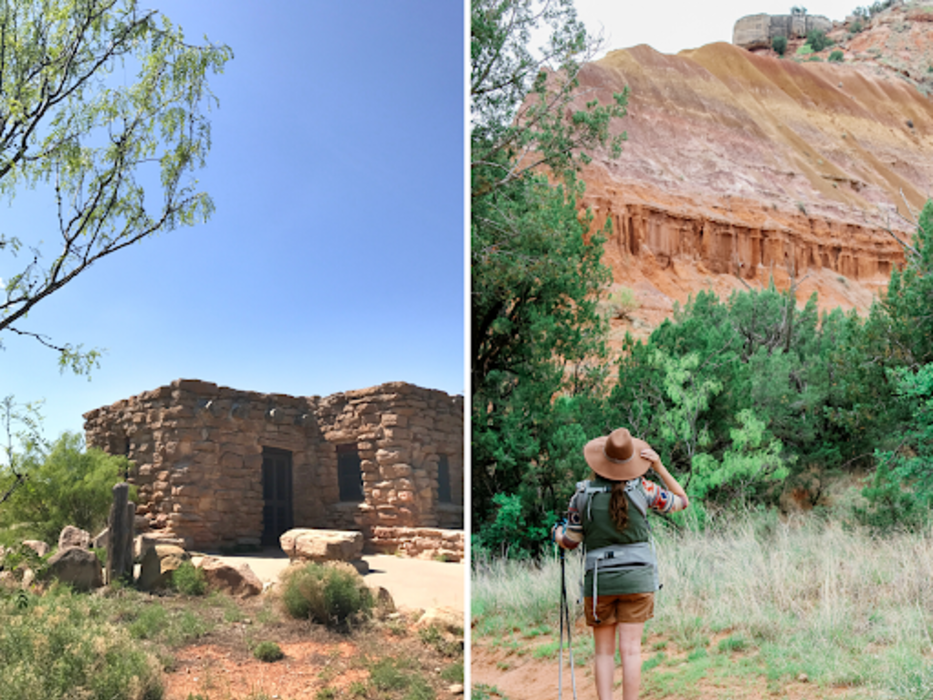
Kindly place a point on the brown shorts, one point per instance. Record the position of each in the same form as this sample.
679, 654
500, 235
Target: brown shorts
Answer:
612, 609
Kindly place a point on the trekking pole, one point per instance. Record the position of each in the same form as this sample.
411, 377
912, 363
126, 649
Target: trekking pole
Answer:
565, 615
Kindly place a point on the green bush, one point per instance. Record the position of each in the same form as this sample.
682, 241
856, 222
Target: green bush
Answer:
189, 579
332, 594
65, 485
836, 56
818, 40
61, 646
856, 27
779, 44
268, 652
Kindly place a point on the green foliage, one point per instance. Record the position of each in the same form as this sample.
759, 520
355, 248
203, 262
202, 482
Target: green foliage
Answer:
510, 534
836, 56
333, 595
268, 652
856, 27
535, 262
189, 579
818, 40
453, 673
61, 485
804, 50
116, 159
779, 44
622, 302
60, 646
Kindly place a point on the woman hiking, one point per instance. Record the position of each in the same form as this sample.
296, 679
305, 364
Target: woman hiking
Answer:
608, 515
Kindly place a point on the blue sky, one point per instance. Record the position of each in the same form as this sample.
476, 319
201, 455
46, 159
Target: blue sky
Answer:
334, 259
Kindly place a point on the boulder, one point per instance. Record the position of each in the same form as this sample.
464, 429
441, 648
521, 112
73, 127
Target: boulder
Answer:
72, 536
382, 598
446, 619
158, 563
235, 580
77, 566
38, 546
322, 545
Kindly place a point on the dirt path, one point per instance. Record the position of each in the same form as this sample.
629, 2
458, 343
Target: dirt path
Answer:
506, 673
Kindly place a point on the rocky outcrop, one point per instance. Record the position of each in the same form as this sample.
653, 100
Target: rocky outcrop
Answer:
741, 167
757, 31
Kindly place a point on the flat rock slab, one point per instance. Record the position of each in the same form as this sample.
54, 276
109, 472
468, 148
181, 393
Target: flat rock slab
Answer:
305, 544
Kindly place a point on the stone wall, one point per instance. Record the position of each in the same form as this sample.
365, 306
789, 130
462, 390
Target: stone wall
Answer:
757, 31
198, 453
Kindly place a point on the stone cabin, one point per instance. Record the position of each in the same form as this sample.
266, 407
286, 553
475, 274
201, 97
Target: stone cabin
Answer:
222, 467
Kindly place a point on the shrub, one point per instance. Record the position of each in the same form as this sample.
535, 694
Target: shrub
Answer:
779, 44
818, 40
61, 646
64, 486
856, 27
268, 652
836, 56
332, 594
189, 579
623, 302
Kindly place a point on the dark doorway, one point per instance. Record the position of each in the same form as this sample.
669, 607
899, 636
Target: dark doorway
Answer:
276, 494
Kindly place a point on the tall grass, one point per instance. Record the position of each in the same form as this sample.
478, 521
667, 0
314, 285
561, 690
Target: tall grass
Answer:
809, 596
61, 646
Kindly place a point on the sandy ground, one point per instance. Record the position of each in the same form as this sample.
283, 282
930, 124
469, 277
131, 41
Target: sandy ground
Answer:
413, 583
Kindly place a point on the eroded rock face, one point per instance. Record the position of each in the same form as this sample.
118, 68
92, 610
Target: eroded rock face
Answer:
741, 167
322, 545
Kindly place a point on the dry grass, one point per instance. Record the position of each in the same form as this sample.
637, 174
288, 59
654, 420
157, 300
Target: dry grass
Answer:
806, 596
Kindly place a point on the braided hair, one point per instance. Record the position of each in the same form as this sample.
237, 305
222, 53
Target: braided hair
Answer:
618, 506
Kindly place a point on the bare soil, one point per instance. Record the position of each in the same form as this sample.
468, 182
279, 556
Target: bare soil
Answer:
515, 674
220, 665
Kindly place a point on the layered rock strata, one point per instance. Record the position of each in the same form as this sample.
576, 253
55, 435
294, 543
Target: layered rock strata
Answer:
742, 167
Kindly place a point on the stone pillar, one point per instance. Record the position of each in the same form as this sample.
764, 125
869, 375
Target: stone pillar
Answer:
119, 534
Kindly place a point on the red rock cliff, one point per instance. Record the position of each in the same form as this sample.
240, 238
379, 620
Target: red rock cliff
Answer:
741, 166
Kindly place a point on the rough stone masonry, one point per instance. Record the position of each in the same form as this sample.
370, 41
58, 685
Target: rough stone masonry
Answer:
218, 467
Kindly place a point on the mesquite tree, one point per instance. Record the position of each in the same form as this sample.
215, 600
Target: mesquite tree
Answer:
115, 157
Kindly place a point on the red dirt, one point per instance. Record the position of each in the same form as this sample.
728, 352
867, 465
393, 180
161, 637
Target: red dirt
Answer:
221, 672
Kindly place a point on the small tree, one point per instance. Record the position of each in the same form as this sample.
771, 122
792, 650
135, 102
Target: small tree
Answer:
818, 40
836, 56
798, 10
65, 485
779, 44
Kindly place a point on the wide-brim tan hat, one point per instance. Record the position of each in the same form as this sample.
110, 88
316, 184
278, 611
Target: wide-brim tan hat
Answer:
617, 456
